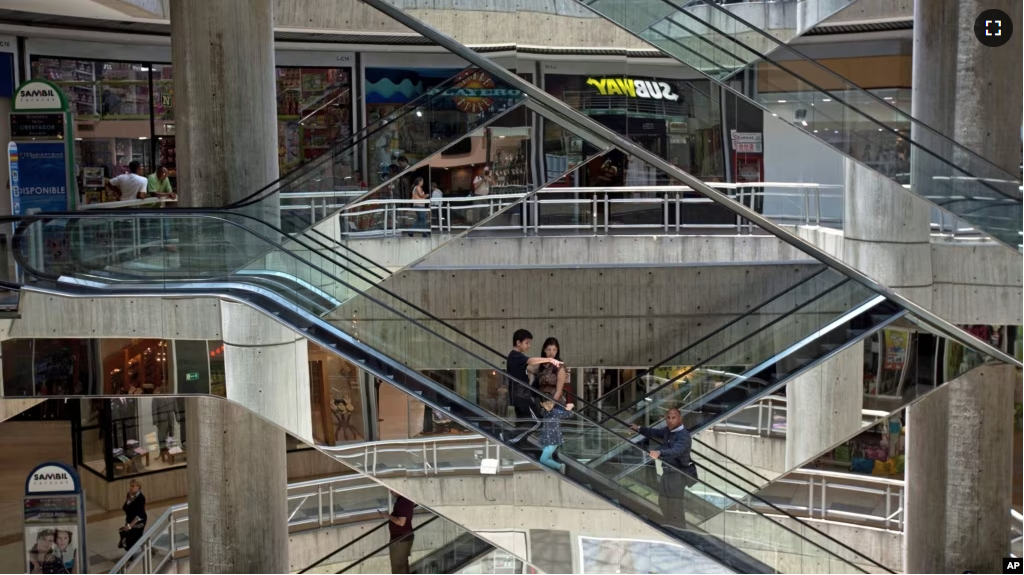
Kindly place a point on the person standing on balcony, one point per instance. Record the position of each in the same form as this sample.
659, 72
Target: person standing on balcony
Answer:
419, 197
675, 451
159, 184
130, 186
481, 189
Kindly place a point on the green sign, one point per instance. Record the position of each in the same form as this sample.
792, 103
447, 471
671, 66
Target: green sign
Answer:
192, 376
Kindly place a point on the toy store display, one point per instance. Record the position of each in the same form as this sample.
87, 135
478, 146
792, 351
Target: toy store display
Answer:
314, 111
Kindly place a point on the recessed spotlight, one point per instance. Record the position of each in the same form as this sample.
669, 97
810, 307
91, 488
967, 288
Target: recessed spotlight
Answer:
804, 122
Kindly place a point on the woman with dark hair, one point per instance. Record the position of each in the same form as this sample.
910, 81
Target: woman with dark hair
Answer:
561, 390
420, 197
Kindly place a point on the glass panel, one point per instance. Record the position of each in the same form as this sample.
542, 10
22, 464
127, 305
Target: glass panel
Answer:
857, 123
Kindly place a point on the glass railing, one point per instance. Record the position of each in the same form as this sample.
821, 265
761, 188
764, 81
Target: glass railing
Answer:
435, 545
782, 20
854, 122
753, 364
222, 246
669, 370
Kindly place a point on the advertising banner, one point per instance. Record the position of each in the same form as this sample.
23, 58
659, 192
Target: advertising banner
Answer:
39, 177
54, 521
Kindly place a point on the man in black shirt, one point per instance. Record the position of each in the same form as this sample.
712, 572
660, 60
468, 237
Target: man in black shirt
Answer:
400, 528
516, 364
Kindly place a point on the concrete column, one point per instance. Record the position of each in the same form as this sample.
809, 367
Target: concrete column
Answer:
971, 93
988, 80
267, 368
925, 473
225, 101
959, 474
887, 233
237, 500
823, 405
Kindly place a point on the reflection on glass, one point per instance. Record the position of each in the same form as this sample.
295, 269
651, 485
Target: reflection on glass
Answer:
136, 366
337, 398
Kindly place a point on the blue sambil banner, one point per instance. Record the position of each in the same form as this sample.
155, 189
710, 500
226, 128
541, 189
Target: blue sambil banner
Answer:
39, 177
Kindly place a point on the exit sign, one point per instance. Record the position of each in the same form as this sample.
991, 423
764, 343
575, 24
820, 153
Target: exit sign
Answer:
192, 376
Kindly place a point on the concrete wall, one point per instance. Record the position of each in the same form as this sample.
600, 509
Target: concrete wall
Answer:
765, 455
972, 284
602, 316
530, 22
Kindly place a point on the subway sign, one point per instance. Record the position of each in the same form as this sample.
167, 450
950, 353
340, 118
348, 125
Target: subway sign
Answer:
647, 89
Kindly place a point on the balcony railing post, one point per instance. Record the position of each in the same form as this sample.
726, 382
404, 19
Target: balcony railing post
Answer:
320, 505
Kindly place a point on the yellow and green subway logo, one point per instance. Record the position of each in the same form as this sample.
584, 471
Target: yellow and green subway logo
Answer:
634, 88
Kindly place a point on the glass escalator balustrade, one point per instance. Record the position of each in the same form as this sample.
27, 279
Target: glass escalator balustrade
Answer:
876, 131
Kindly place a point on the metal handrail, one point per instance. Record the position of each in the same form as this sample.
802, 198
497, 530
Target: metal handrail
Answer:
768, 407
809, 196
147, 553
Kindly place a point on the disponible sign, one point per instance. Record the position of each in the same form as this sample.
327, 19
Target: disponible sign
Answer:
747, 142
39, 177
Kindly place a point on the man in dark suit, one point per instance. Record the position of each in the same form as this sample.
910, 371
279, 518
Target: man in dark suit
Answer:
675, 451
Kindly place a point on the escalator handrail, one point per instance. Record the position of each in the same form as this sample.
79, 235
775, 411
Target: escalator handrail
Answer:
732, 345
829, 71
729, 324
391, 542
933, 133
346, 546
344, 143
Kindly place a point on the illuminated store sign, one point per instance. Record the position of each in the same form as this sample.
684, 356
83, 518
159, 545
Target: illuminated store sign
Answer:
634, 88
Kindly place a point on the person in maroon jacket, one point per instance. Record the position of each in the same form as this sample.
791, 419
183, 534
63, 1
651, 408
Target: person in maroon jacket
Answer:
400, 528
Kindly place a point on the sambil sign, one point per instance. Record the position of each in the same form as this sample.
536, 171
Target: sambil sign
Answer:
648, 89
49, 479
39, 95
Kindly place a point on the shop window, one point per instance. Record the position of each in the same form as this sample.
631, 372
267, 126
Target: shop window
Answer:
218, 377
40, 367
112, 114
136, 366
134, 435
338, 403
163, 120
314, 111
17, 368
192, 366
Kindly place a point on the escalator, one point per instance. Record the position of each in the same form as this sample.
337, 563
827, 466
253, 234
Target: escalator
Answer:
856, 123
658, 21
399, 360
438, 546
